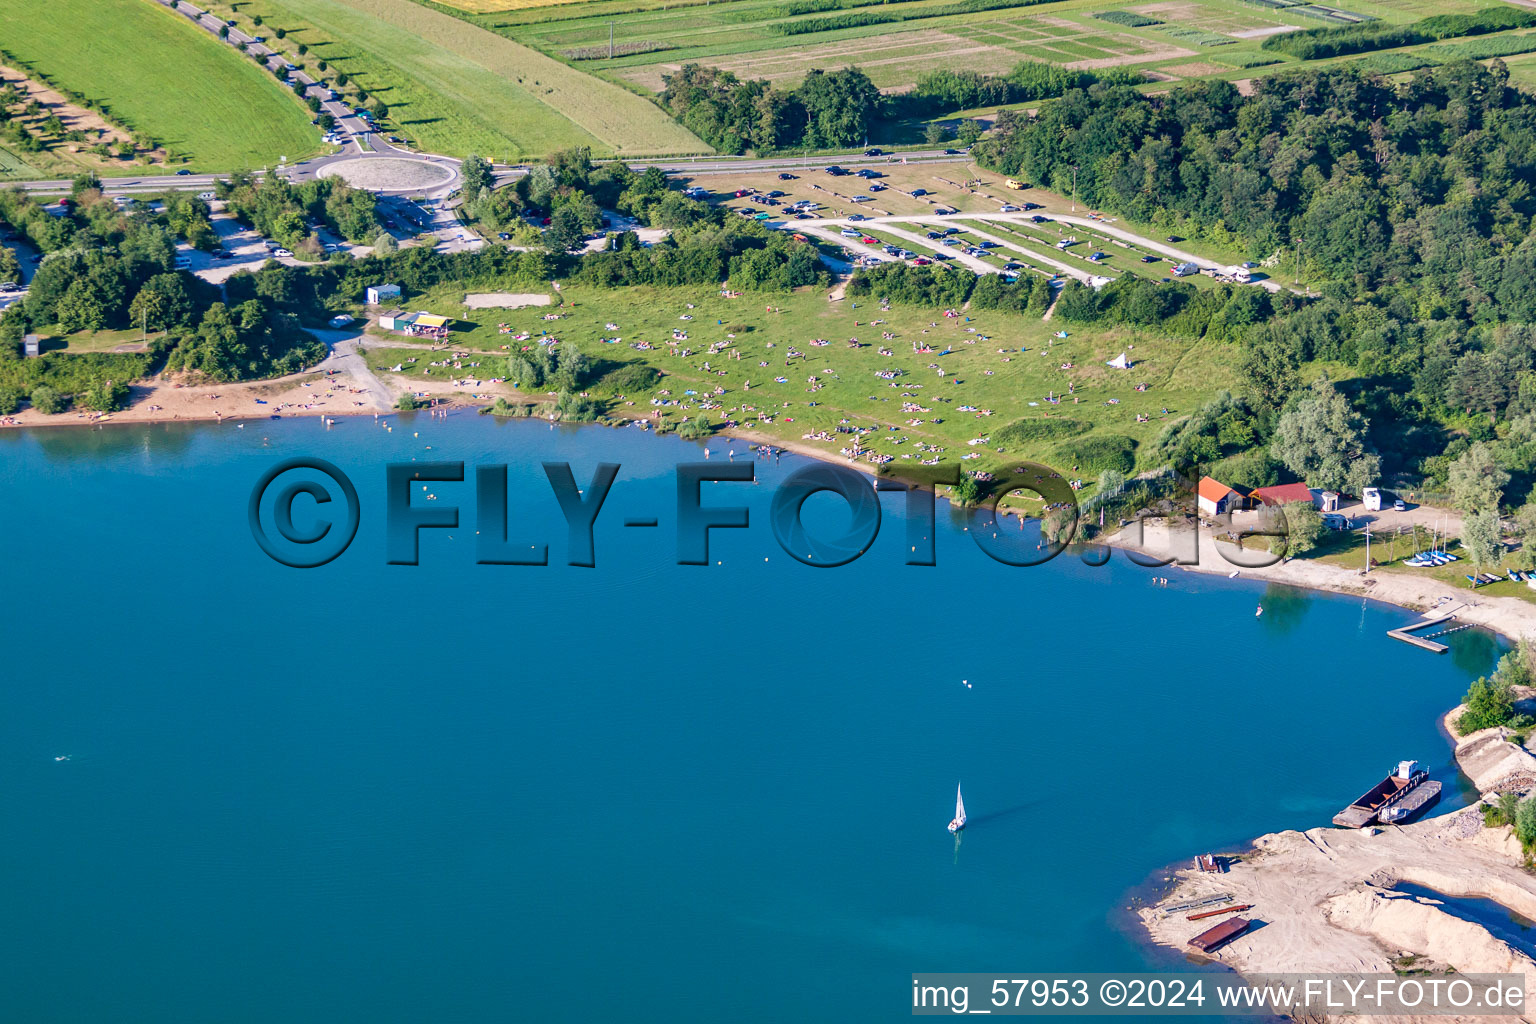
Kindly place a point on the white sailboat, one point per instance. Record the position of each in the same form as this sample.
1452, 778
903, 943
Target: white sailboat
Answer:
959, 822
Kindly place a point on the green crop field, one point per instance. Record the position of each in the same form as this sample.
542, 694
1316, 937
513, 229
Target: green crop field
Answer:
1183, 38
457, 88
159, 74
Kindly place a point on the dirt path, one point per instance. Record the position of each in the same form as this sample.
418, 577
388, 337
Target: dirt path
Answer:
346, 356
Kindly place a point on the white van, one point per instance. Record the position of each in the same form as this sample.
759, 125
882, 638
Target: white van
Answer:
1371, 496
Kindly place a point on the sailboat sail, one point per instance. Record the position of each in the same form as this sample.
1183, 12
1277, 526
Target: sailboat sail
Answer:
959, 805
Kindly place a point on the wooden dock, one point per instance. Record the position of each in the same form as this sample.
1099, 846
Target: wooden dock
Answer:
1407, 634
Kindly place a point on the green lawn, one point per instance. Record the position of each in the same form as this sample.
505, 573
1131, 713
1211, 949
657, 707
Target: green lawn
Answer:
158, 73
1011, 384
456, 89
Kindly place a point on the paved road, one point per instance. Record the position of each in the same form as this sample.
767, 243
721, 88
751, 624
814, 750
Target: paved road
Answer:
825, 225
361, 139
820, 226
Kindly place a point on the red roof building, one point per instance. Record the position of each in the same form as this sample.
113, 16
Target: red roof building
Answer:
1215, 497
1283, 494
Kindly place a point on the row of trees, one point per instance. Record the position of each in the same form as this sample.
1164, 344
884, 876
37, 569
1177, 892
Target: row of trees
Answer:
1317, 43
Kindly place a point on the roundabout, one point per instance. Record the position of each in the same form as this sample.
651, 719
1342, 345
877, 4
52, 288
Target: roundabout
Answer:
390, 173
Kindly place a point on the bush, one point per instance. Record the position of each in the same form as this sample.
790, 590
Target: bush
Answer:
10, 401
408, 403
1023, 432
1489, 702
1093, 455
105, 396
48, 401
1525, 822
632, 378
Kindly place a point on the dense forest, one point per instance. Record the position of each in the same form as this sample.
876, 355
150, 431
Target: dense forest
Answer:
827, 109
1410, 202
840, 108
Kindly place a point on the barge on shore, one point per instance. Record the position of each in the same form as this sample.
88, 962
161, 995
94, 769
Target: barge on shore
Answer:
1212, 939
1408, 789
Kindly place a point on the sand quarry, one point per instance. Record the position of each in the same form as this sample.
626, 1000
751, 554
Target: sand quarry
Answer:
1324, 901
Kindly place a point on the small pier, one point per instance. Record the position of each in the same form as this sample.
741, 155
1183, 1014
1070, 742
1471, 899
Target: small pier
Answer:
1410, 633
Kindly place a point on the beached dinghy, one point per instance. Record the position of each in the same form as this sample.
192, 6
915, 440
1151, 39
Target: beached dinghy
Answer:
959, 822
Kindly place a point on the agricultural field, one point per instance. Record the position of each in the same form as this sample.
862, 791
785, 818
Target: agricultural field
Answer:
1167, 39
456, 88
138, 62
990, 361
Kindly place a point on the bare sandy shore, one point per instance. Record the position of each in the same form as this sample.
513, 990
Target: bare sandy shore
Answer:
1507, 615
170, 400
1324, 899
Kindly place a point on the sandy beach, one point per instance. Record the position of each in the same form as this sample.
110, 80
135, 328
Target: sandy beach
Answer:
1510, 616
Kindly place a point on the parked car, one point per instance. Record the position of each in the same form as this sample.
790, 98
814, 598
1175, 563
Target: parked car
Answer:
1010, 208
1150, 259
786, 176
877, 187
921, 261
205, 196
918, 192
283, 254
860, 199
870, 241
836, 171
341, 320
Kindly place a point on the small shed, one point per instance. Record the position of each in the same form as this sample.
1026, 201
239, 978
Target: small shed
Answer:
32, 346
380, 293
1329, 502
1214, 497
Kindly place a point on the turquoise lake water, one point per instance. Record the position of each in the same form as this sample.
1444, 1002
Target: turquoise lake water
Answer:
640, 791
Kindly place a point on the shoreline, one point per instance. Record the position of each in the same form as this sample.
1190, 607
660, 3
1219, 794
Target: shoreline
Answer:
334, 388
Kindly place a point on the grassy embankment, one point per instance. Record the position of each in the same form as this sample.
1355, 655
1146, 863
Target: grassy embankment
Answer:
1013, 385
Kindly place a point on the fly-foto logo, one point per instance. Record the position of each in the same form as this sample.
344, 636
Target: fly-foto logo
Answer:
333, 512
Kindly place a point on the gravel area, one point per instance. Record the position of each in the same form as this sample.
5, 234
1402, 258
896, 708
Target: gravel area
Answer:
386, 172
